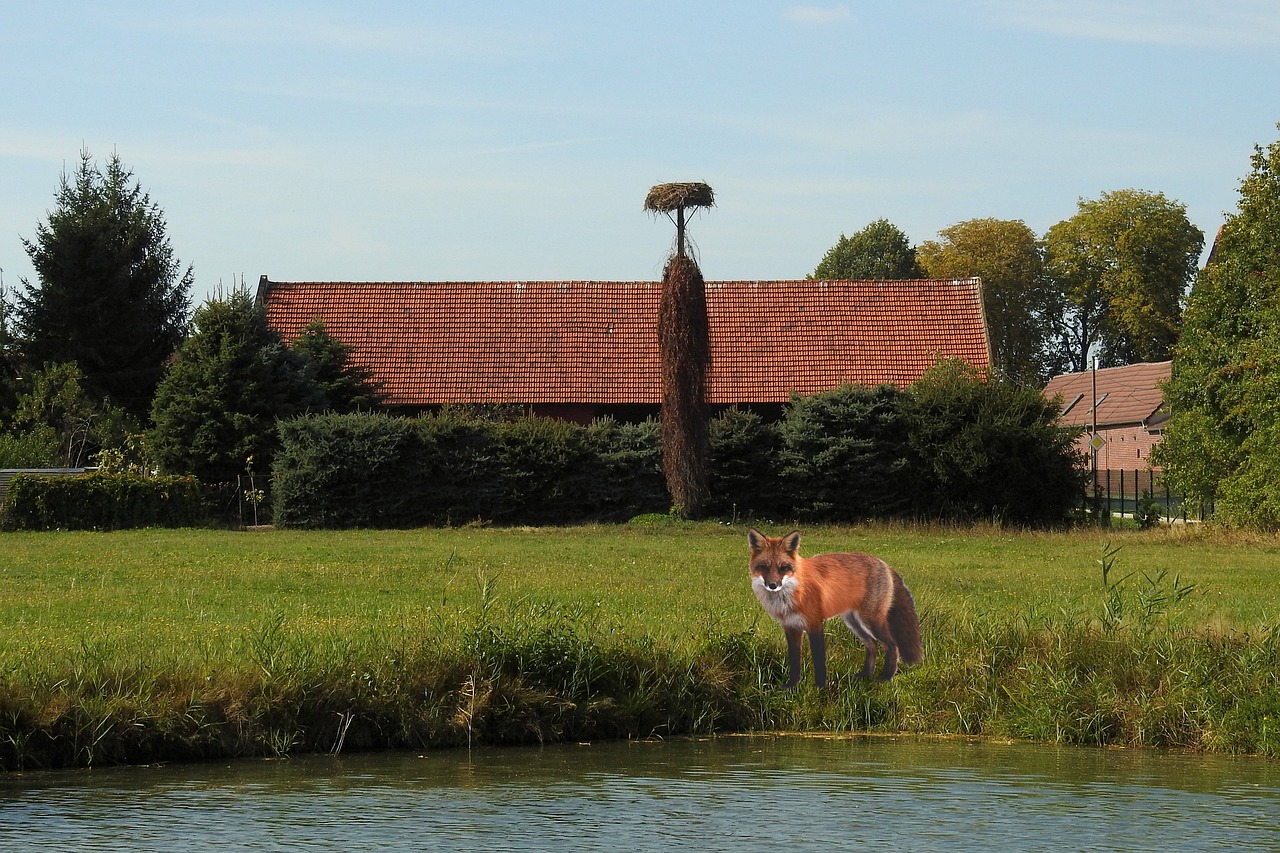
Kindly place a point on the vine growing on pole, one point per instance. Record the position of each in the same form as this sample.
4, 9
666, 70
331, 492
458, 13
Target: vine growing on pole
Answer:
684, 348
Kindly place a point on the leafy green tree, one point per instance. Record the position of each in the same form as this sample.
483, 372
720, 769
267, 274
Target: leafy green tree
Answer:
110, 295
1123, 263
1022, 308
347, 387
218, 404
1222, 440
60, 413
879, 251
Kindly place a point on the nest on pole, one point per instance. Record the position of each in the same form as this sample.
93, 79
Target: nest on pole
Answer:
673, 199
669, 197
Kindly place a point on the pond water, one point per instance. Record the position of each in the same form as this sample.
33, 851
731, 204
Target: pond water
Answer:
731, 793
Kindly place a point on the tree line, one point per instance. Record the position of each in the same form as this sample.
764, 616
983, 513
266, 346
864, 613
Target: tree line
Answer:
103, 347
1106, 284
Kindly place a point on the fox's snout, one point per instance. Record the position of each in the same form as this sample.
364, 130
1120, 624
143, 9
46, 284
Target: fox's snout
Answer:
773, 581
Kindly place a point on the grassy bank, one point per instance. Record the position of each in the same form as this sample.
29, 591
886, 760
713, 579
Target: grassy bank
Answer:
157, 645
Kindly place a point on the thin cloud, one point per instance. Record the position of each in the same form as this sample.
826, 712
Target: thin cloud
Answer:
818, 14
336, 35
1181, 23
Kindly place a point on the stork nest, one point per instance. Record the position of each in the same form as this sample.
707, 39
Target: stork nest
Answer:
667, 197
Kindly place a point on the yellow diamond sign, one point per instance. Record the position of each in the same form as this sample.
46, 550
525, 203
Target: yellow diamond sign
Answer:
1096, 441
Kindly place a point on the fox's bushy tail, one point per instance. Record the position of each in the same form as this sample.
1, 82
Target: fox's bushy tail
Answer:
904, 624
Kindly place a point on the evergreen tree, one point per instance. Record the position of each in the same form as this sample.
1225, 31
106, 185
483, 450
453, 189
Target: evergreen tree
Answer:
346, 387
8, 363
110, 295
844, 454
218, 404
989, 449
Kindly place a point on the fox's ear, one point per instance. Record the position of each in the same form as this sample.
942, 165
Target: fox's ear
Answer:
755, 540
792, 542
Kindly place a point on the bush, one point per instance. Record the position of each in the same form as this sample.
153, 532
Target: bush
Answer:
984, 449
621, 474
346, 471
452, 467
844, 454
953, 446
743, 473
31, 448
105, 501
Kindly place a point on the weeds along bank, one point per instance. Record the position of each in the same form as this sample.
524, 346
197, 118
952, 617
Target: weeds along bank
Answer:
184, 645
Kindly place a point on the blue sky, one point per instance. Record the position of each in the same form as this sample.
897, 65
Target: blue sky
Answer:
504, 141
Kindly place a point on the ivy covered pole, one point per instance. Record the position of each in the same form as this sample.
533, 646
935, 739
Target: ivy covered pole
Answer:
684, 348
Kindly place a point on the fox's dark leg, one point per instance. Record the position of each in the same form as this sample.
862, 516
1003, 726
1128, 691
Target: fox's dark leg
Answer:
890, 660
863, 633
818, 651
793, 655
881, 631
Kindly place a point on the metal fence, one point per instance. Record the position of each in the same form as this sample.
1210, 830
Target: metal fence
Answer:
1124, 490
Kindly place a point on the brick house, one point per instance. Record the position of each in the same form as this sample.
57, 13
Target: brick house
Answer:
1128, 410
582, 349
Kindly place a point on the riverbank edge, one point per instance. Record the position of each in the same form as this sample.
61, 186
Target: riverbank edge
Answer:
545, 680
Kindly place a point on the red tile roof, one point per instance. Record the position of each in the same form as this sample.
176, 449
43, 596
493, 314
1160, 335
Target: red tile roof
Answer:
1126, 395
596, 342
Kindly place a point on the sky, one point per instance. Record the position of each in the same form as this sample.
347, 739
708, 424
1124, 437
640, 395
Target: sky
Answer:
431, 141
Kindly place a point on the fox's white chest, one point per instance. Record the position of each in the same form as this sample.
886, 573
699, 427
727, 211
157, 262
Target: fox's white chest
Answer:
779, 603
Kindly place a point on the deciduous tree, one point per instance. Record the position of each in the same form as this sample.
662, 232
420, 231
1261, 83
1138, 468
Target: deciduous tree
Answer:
1022, 308
1123, 263
1222, 440
879, 251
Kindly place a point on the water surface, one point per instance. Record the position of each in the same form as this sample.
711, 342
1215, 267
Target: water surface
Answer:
734, 793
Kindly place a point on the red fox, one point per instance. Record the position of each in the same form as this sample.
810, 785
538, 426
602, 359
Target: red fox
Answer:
801, 593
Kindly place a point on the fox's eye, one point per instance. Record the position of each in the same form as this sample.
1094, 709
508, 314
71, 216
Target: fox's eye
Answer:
785, 568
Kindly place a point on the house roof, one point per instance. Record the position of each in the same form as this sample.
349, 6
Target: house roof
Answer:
1126, 395
596, 342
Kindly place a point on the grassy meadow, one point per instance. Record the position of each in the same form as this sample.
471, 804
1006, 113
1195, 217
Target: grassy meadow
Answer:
153, 645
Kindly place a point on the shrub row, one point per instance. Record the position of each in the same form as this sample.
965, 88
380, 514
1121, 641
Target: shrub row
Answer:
105, 501
369, 470
949, 447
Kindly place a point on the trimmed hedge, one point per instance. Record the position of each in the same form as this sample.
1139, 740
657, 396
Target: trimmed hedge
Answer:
105, 501
950, 447
372, 470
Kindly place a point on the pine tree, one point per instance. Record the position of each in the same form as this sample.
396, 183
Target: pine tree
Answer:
347, 387
232, 379
110, 295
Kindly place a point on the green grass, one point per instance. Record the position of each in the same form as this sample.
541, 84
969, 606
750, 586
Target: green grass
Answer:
158, 644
